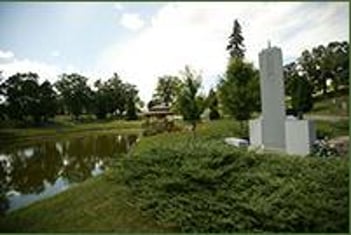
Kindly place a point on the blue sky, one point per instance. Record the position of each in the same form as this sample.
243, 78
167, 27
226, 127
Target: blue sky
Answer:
64, 33
142, 41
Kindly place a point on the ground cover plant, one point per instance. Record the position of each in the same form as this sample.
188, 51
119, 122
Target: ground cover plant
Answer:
204, 185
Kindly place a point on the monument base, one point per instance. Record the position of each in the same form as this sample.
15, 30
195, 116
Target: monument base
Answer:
255, 129
300, 135
237, 142
257, 137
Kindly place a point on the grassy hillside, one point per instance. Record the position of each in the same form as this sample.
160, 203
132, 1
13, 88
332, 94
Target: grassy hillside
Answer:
97, 205
334, 104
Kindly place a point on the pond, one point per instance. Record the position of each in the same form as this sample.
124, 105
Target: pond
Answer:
31, 172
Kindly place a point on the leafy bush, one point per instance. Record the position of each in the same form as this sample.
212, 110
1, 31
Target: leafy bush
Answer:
158, 127
208, 186
328, 129
321, 148
214, 114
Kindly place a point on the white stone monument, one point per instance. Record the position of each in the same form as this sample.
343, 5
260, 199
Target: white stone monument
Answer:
269, 131
272, 131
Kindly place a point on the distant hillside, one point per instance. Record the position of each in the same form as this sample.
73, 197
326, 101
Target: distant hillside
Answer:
333, 104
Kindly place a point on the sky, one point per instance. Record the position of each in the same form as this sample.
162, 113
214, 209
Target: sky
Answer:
142, 41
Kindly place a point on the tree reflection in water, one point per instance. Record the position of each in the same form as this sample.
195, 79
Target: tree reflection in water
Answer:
32, 169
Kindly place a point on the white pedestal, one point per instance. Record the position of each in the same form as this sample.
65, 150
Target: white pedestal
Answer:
300, 135
236, 142
255, 130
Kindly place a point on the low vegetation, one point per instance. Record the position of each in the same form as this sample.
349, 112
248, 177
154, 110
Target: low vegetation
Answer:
207, 186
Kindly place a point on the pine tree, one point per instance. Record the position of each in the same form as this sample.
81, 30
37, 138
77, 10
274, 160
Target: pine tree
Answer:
236, 47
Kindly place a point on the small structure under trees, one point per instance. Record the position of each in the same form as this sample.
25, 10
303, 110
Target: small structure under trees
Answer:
159, 118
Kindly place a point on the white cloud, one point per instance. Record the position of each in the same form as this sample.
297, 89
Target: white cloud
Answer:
197, 34
132, 21
45, 71
55, 53
6, 54
118, 6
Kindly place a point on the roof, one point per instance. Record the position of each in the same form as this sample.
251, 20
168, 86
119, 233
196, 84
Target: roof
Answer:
158, 113
159, 108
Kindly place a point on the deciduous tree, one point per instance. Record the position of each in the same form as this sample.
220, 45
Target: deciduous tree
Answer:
76, 93
166, 90
239, 90
191, 104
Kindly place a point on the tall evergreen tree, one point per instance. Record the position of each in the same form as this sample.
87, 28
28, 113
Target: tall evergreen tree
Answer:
239, 88
236, 46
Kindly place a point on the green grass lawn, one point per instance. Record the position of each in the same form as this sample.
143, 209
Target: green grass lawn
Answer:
97, 205
332, 129
331, 106
11, 135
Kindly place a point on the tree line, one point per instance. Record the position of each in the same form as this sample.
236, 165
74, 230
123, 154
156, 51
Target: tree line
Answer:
238, 92
26, 100
308, 76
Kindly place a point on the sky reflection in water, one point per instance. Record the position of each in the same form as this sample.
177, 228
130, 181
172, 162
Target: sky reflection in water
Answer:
30, 173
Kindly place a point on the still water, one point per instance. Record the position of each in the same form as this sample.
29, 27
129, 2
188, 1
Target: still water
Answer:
32, 172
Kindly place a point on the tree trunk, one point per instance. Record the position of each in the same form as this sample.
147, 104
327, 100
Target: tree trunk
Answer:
336, 85
37, 120
299, 115
324, 87
193, 129
241, 128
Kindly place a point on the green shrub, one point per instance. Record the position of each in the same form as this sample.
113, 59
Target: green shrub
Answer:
160, 126
329, 129
322, 149
208, 186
